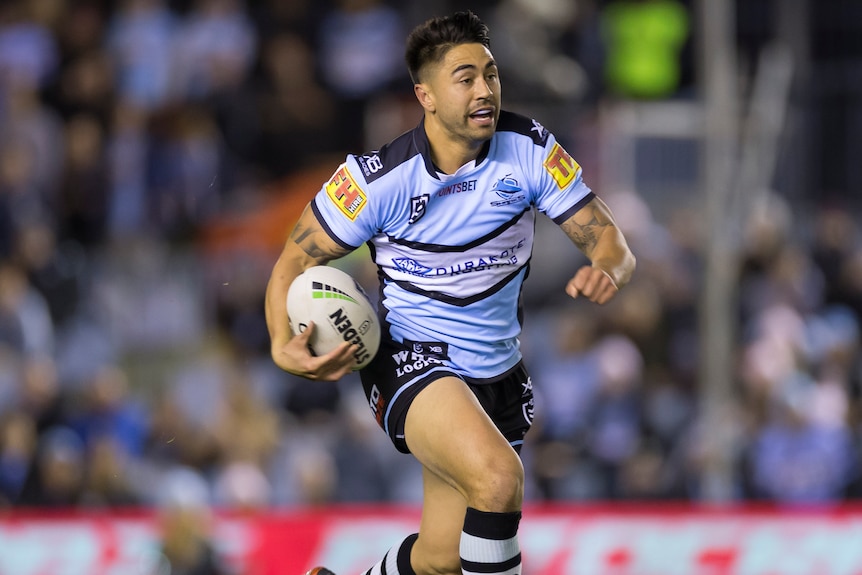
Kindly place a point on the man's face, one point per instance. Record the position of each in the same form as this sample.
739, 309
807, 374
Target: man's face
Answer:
464, 93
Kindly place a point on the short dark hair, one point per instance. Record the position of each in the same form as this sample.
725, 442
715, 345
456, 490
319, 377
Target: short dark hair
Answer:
430, 41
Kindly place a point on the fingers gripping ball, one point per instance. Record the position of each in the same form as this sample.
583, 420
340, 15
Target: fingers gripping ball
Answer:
340, 310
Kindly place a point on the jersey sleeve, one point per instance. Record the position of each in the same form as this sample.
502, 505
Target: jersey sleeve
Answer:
343, 207
559, 190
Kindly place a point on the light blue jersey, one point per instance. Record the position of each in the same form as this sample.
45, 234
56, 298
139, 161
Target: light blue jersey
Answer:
453, 250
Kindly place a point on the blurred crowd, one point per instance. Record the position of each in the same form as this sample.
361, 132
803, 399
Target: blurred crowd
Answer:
134, 358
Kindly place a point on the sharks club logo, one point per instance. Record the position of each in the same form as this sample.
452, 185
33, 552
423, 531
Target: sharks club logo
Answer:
508, 189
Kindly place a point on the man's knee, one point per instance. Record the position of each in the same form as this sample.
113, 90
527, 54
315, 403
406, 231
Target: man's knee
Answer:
497, 483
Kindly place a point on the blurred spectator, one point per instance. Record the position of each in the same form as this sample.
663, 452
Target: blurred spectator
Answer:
795, 457
84, 198
245, 428
184, 176
668, 410
184, 520
17, 451
175, 438
643, 475
363, 468
28, 50
56, 271
709, 443
109, 481
614, 434
298, 117
837, 252
304, 470
25, 320
569, 376
140, 40
40, 396
32, 144
589, 414
360, 47
57, 477
81, 29
19, 200
215, 48
109, 411
126, 151
84, 84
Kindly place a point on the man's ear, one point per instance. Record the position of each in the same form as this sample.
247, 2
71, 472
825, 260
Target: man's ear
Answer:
424, 96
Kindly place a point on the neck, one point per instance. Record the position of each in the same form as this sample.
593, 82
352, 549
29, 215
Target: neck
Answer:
450, 153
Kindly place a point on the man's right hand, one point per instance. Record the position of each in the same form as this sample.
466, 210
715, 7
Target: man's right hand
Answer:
296, 358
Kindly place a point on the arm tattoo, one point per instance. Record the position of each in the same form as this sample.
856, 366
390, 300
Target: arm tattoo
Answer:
307, 238
585, 228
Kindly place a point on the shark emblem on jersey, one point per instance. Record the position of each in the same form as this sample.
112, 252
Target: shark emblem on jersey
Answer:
417, 205
509, 189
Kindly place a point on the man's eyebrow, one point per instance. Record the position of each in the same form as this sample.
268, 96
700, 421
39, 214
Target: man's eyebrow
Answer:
490, 64
463, 67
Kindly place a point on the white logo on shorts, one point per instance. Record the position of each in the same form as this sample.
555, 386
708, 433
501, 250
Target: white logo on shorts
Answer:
528, 410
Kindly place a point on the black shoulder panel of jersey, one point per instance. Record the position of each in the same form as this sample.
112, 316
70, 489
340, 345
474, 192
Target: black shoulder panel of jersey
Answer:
380, 162
512, 122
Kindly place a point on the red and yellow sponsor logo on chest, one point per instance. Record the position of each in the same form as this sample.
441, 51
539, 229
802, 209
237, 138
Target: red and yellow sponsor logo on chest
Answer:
562, 167
345, 193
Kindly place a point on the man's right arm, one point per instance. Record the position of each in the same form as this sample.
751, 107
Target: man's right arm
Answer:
308, 245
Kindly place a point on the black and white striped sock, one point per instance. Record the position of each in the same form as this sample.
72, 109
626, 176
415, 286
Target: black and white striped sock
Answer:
397, 560
489, 543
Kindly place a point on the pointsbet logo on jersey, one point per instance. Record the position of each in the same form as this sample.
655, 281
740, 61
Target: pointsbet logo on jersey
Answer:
345, 193
562, 167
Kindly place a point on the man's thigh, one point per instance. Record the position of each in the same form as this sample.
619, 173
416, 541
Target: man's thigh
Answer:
396, 375
449, 432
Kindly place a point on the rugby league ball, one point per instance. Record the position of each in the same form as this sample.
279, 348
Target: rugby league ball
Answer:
340, 310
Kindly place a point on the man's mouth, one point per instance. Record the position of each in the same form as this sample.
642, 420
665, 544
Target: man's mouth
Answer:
484, 115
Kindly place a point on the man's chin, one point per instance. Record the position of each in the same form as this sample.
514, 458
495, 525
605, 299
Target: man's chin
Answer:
483, 132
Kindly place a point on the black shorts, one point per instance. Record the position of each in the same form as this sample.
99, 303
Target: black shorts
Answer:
399, 372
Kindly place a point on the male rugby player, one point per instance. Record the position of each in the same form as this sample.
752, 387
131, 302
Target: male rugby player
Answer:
448, 210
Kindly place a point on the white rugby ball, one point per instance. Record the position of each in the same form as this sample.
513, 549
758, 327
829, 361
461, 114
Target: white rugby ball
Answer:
340, 310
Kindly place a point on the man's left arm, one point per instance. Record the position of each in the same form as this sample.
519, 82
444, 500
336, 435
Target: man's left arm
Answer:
594, 231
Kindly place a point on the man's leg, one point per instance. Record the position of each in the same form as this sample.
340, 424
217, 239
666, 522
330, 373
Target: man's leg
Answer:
473, 485
436, 551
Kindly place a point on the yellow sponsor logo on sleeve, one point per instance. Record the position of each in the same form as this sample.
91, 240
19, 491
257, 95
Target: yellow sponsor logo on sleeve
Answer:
345, 193
562, 167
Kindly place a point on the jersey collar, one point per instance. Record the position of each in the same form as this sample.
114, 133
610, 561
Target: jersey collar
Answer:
420, 140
